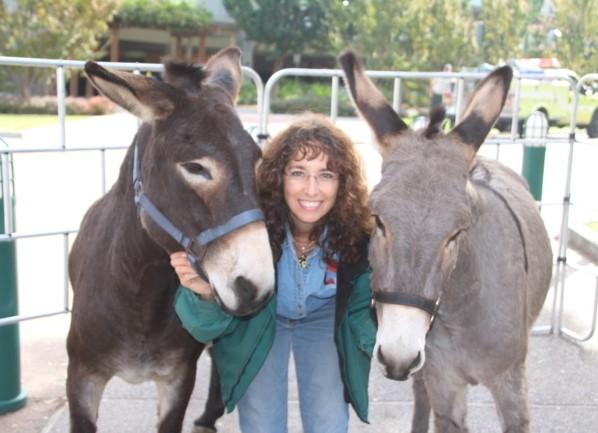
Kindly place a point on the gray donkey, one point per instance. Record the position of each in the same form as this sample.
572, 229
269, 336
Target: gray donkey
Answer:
459, 244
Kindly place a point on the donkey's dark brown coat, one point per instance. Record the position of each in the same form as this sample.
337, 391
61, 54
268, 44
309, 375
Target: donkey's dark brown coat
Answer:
197, 164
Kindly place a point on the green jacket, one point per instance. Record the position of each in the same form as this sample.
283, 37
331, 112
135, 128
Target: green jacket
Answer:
240, 345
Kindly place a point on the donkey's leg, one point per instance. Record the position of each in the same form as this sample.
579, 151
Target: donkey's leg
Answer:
509, 390
214, 407
421, 414
448, 399
84, 390
174, 391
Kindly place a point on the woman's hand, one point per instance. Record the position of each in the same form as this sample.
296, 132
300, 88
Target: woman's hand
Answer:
188, 277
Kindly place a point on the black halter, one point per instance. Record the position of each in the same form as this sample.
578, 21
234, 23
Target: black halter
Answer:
398, 298
205, 237
428, 305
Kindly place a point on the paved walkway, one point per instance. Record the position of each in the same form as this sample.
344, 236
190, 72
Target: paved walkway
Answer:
563, 377
563, 392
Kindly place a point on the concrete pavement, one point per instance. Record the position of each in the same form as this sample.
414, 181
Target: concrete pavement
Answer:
563, 392
563, 377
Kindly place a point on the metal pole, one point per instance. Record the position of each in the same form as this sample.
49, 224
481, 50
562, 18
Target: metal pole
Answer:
460, 96
396, 95
103, 162
536, 126
334, 99
60, 95
515, 108
11, 395
564, 234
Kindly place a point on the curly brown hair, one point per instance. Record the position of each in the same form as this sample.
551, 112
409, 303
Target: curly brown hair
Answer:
348, 221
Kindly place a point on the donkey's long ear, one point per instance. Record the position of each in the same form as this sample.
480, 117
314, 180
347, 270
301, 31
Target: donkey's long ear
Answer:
224, 70
484, 108
144, 97
369, 101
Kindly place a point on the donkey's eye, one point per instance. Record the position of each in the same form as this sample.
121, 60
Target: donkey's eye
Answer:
196, 169
450, 242
379, 225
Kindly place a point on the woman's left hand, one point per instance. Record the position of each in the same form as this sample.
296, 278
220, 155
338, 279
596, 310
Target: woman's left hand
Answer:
188, 277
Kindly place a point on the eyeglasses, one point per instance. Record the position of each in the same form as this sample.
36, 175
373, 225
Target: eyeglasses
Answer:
297, 175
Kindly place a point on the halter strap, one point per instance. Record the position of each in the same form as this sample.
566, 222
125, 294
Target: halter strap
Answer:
237, 221
411, 300
502, 198
203, 238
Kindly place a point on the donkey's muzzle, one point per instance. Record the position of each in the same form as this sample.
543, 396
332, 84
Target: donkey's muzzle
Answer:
396, 371
247, 294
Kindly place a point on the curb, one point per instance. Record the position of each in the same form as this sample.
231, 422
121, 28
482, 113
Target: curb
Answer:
54, 419
584, 241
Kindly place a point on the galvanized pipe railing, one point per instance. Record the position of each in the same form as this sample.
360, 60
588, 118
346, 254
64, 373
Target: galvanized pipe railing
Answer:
264, 104
564, 234
7, 152
515, 138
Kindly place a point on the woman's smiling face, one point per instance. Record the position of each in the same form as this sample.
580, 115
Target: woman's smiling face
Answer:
310, 190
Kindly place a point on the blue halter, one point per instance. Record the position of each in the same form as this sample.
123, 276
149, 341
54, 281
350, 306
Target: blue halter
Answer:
205, 237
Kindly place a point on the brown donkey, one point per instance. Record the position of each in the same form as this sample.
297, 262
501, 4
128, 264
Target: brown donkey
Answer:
459, 244
186, 182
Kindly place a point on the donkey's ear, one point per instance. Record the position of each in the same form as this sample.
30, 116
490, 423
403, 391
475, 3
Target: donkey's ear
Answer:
144, 97
484, 108
369, 101
224, 70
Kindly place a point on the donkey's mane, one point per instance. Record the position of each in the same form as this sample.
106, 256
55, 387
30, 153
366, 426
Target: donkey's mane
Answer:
437, 115
184, 75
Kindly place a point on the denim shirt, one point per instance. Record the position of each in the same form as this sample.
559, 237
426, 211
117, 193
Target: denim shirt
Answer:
303, 290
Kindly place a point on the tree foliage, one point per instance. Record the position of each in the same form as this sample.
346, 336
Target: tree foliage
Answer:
51, 29
173, 15
286, 27
505, 23
577, 21
425, 34
409, 35
54, 28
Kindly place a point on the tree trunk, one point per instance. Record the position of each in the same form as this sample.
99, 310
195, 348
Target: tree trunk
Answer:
25, 82
178, 49
114, 51
89, 89
74, 84
278, 63
202, 50
188, 50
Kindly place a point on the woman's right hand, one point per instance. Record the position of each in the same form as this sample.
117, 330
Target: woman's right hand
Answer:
188, 277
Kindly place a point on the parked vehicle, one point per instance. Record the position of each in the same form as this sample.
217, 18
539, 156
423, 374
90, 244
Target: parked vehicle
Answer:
555, 98
551, 92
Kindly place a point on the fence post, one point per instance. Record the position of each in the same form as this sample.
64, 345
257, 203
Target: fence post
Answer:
11, 395
536, 126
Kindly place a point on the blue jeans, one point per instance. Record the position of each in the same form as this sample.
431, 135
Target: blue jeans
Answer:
264, 407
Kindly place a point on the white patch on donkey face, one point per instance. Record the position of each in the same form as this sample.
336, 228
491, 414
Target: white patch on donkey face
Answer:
401, 339
244, 254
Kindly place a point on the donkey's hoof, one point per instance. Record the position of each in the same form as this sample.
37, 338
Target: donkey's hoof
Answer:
203, 429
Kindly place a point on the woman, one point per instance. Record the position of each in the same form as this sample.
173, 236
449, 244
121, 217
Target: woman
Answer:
313, 195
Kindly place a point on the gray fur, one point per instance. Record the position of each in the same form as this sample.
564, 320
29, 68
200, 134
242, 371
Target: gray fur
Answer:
430, 189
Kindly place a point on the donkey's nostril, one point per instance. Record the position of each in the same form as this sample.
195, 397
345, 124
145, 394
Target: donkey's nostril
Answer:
415, 362
245, 290
380, 356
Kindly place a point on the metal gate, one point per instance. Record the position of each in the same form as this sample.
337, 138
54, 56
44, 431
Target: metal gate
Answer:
8, 154
502, 143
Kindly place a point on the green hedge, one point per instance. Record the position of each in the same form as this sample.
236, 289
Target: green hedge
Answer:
172, 15
48, 105
248, 94
297, 95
